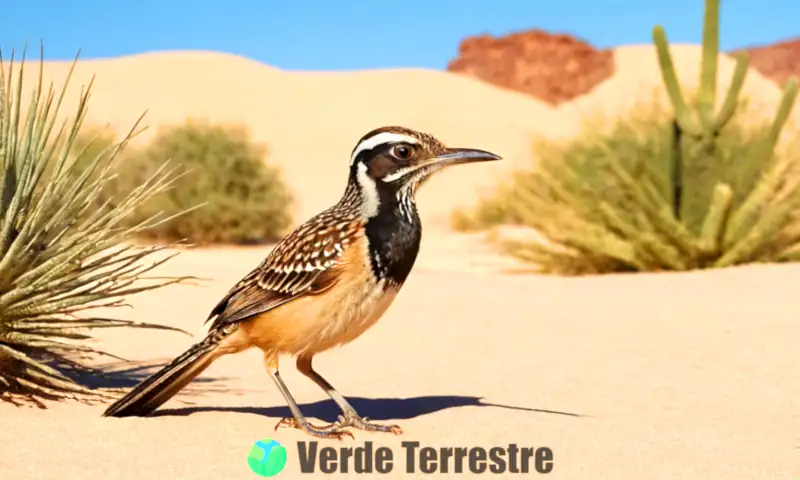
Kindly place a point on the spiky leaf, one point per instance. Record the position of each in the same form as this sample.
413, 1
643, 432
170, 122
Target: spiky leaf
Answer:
63, 255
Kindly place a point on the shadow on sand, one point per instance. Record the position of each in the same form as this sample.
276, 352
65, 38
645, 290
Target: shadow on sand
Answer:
113, 376
381, 409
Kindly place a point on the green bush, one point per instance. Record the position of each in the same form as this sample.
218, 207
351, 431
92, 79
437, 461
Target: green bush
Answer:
60, 257
602, 203
685, 189
227, 191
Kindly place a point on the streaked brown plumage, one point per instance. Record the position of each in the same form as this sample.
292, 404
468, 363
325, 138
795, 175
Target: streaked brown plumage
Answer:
325, 283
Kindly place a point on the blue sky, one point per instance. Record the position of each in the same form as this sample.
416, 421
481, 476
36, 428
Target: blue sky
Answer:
357, 34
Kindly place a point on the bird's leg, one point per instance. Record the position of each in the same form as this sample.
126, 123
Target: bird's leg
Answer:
298, 420
349, 417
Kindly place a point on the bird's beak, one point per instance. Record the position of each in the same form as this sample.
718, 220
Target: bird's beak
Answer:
464, 155
452, 156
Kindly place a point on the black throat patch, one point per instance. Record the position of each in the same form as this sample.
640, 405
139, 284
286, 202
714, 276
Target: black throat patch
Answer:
394, 236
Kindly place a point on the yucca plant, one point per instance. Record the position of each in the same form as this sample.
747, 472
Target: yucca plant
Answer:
698, 190
62, 255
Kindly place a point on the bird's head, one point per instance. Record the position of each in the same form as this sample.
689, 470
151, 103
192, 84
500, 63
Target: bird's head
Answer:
393, 161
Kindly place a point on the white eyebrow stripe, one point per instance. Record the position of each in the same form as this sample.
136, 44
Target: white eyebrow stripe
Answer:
381, 139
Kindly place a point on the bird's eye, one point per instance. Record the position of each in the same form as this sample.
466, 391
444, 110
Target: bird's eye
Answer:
402, 152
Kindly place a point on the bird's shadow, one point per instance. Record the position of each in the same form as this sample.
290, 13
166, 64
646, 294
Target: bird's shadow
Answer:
119, 376
381, 409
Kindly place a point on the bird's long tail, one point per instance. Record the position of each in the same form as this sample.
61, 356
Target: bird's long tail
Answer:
164, 384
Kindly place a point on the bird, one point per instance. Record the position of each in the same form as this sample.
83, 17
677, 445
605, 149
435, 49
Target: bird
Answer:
325, 283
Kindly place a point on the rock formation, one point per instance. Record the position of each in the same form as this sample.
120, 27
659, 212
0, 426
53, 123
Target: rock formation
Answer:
558, 67
551, 67
777, 61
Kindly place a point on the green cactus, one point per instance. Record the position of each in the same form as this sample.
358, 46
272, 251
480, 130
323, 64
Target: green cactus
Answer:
696, 175
677, 189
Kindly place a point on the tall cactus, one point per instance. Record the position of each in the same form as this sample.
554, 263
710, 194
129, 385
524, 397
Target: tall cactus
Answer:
699, 199
604, 202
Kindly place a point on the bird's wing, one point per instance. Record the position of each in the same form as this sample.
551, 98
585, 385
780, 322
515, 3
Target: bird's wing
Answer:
303, 263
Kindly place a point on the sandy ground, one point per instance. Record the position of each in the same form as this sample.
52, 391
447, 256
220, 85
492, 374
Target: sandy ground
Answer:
690, 376
678, 376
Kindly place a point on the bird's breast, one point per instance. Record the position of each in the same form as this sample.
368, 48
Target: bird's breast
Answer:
353, 313
336, 316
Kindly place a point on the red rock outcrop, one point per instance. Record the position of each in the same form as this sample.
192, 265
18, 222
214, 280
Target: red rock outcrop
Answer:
551, 67
777, 61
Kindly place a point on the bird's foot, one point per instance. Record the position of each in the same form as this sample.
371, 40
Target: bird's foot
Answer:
353, 420
328, 431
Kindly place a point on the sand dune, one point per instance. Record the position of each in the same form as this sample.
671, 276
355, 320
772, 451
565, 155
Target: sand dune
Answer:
311, 121
638, 79
637, 83
624, 377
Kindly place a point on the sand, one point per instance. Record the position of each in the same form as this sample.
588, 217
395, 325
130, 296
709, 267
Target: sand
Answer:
663, 376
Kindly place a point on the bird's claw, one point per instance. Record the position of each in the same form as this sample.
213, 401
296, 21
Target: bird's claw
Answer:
337, 428
327, 431
363, 423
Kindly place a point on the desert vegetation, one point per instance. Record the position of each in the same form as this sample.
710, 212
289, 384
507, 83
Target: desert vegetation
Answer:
678, 189
60, 257
225, 192
77, 203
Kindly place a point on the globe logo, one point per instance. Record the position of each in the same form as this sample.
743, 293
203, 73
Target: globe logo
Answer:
267, 457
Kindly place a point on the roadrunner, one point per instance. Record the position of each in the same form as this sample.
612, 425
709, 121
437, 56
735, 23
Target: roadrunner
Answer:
325, 283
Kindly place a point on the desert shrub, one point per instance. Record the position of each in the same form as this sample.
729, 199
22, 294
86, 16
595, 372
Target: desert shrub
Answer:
60, 259
90, 143
227, 191
690, 189
602, 201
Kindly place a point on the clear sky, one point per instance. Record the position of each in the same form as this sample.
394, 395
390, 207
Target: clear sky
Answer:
357, 34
